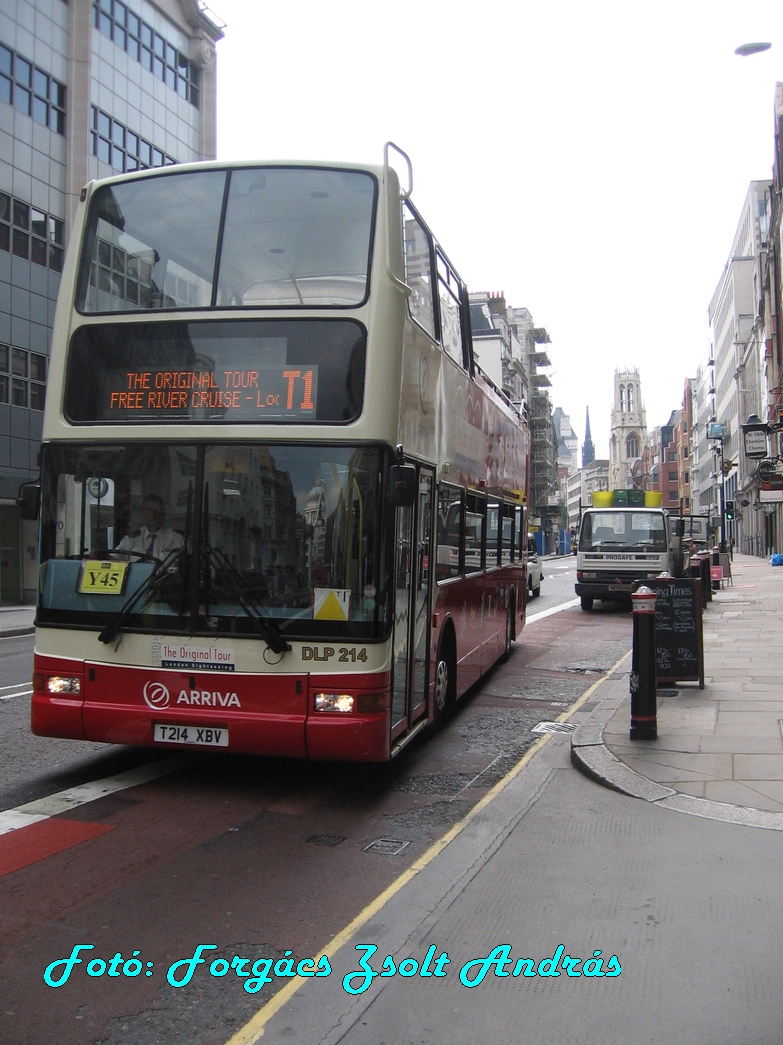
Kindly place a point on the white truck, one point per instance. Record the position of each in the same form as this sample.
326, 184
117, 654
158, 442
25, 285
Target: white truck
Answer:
618, 546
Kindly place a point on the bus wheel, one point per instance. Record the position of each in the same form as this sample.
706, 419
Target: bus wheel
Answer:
587, 602
445, 679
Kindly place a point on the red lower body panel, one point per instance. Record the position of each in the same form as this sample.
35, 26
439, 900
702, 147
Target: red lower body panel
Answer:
261, 714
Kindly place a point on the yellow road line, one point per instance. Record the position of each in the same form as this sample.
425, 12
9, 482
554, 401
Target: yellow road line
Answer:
255, 1026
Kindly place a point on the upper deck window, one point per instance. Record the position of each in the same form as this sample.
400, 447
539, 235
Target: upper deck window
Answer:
290, 237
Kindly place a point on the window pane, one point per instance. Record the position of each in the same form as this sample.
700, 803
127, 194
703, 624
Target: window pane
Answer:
58, 94
38, 251
18, 362
23, 71
57, 120
175, 220
56, 231
3, 389
37, 367
37, 396
6, 56
38, 223
18, 392
118, 134
475, 508
21, 243
297, 236
450, 323
21, 215
4, 358
104, 150
418, 272
134, 24
22, 99
5, 89
5, 207
40, 111
40, 83
5, 237
56, 258
449, 532
104, 124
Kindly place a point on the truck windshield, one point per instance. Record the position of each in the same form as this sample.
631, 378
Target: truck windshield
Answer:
629, 529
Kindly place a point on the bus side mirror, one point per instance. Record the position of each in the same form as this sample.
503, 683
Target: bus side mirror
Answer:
29, 500
402, 485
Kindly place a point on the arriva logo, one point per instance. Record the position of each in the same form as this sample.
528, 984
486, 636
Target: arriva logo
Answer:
206, 699
156, 695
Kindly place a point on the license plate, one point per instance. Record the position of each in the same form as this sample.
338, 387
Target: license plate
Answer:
204, 736
619, 587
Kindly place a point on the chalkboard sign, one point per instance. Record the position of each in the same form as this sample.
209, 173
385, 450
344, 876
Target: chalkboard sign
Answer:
678, 630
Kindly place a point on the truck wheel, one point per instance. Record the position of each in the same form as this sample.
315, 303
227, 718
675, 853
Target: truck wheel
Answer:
536, 591
587, 602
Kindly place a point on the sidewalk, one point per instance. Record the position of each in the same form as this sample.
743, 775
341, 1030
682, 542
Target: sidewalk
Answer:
16, 620
719, 751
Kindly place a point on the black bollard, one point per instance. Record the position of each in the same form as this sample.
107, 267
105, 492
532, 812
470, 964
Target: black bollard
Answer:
644, 712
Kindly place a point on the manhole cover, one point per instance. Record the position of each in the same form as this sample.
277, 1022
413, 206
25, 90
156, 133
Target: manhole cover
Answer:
327, 840
554, 727
387, 846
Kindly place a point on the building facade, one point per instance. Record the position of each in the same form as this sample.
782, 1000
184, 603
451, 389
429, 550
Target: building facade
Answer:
87, 90
732, 375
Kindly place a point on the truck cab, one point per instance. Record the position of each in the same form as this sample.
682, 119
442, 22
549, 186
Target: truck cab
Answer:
619, 546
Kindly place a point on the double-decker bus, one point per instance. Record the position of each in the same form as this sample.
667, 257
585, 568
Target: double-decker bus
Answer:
282, 511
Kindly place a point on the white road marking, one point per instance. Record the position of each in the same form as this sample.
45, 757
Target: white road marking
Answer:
64, 801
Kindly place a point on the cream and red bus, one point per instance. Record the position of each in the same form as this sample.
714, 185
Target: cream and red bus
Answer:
268, 367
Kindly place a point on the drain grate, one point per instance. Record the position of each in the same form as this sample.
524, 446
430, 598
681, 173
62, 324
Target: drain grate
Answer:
327, 840
554, 727
387, 846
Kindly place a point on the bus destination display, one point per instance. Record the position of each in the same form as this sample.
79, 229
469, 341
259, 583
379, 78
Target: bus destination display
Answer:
262, 394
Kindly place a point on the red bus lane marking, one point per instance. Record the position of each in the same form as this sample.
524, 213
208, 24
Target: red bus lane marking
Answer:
36, 842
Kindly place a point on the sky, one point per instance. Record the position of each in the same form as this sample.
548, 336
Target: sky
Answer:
589, 160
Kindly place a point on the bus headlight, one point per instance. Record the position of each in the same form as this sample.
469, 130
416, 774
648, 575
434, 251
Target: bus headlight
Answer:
70, 684
333, 702
361, 703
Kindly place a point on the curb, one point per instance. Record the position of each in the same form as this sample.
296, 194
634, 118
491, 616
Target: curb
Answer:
593, 758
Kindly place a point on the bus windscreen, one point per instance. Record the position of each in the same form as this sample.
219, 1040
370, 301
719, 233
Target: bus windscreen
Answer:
259, 237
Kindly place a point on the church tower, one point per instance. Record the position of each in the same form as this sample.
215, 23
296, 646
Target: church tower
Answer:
588, 450
628, 433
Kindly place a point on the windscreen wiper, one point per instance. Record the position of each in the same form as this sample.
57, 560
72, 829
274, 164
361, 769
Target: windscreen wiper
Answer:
269, 630
149, 588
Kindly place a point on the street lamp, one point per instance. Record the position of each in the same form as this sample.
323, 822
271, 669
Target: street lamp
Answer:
716, 431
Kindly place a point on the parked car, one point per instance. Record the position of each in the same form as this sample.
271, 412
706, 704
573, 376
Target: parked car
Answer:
535, 572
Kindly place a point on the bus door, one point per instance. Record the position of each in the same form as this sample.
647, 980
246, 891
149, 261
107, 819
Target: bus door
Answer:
413, 587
